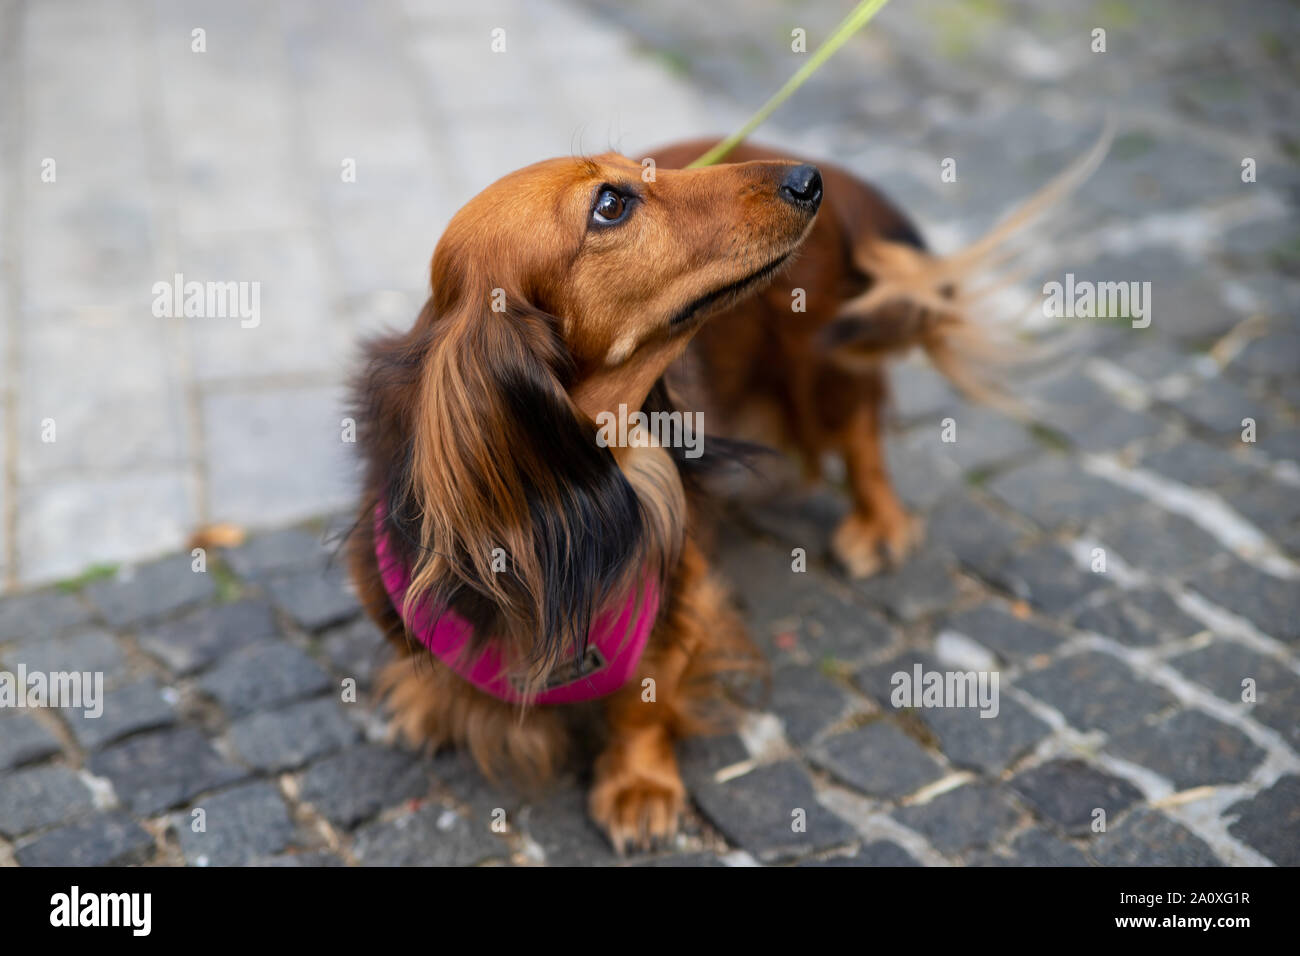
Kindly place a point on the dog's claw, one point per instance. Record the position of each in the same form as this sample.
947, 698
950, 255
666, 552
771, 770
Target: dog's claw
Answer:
865, 546
636, 814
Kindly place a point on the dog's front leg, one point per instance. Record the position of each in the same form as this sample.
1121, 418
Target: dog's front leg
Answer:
637, 796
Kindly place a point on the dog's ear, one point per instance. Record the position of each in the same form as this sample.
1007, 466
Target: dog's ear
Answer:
521, 521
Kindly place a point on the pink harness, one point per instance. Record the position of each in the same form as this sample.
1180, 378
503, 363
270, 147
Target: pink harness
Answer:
614, 645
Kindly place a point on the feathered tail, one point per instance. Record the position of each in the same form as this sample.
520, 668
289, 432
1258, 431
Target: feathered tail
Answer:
919, 299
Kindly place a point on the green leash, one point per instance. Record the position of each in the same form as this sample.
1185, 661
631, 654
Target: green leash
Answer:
855, 21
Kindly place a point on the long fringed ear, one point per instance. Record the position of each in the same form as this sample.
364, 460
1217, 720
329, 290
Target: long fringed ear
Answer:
525, 525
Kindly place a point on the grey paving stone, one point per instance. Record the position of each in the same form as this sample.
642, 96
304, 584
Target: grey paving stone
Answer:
1267, 504
315, 598
1281, 442
921, 475
1012, 638
264, 676
430, 836
1038, 847
37, 797
276, 456
878, 853
988, 744
1048, 578
193, 642
1223, 665
1149, 838
1131, 184
1160, 544
1069, 400
804, 520
354, 785
94, 651
978, 536
877, 680
1267, 601
155, 772
807, 701
699, 758
1275, 354
1096, 691
1289, 540
1200, 464
1068, 793
761, 580
1116, 431
680, 860
791, 614
967, 818
1270, 821
1191, 749
286, 739
919, 392
1219, 406
1139, 618
355, 650
308, 858
1153, 360
1185, 302
558, 823
758, 812
983, 438
150, 591
239, 825
104, 839
282, 550
1056, 493
41, 614
879, 760
921, 586
486, 800
127, 710
23, 740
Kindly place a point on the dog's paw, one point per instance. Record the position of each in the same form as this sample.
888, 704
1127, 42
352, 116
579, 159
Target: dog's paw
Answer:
865, 546
637, 812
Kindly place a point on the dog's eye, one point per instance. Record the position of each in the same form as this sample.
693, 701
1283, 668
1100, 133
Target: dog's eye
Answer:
610, 207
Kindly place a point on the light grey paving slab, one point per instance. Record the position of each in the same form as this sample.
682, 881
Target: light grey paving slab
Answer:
67, 525
277, 455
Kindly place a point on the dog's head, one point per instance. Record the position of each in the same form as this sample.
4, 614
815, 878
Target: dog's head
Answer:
561, 291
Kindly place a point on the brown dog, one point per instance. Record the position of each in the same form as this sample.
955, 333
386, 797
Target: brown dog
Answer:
560, 293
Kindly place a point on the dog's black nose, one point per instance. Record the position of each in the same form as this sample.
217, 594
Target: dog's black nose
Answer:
802, 187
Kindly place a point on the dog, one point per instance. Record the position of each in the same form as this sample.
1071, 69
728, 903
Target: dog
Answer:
541, 589
548, 592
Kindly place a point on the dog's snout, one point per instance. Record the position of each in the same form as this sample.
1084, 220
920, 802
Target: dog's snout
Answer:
802, 187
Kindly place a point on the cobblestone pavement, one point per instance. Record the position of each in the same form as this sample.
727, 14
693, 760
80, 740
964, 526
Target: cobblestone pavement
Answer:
1163, 691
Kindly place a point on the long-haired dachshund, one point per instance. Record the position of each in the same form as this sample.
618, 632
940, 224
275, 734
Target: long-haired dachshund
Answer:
544, 590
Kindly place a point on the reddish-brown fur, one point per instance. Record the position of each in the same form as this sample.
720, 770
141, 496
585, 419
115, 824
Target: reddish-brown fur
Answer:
477, 430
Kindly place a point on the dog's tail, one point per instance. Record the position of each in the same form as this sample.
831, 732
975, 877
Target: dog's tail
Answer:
920, 299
